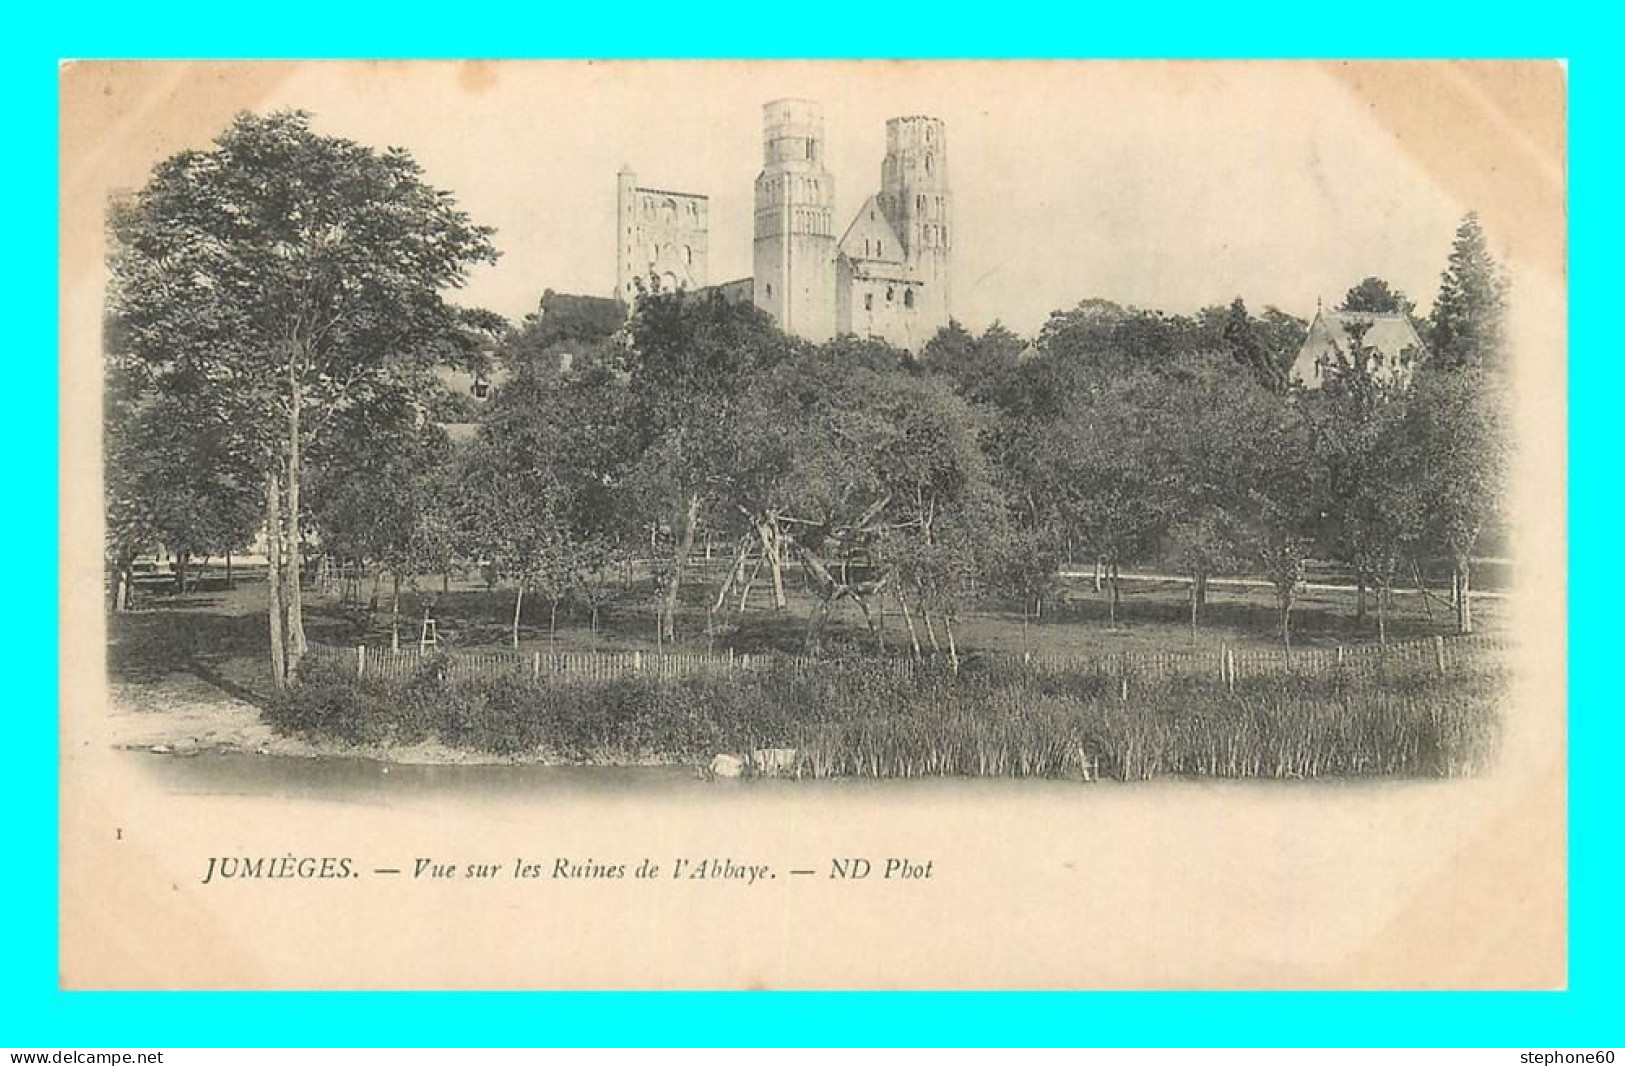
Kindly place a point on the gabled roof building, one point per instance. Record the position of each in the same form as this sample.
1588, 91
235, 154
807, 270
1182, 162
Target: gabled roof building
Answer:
1385, 342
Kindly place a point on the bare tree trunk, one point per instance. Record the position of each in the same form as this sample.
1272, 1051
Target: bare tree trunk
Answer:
1025, 648
869, 620
816, 618
1196, 586
1286, 619
1359, 600
1422, 590
750, 583
294, 571
685, 545
1201, 590
182, 559
1111, 609
553, 623
230, 584
395, 611
1464, 592
775, 557
908, 620
1382, 614
1099, 565
930, 631
735, 572
273, 578
953, 649
518, 605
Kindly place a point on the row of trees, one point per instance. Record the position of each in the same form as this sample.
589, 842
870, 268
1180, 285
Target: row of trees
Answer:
279, 304
1121, 436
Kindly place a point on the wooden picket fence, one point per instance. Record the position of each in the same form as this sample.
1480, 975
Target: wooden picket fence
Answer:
1439, 654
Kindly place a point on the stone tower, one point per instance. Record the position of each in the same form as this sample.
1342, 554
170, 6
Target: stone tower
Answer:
659, 234
915, 198
795, 236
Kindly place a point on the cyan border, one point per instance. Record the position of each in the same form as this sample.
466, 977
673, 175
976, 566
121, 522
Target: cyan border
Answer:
33, 1012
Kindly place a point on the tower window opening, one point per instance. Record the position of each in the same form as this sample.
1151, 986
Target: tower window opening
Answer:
919, 202
928, 162
908, 297
868, 301
770, 288
890, 294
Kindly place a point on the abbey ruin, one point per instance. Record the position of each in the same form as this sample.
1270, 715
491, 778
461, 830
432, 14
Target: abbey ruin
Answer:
887, 275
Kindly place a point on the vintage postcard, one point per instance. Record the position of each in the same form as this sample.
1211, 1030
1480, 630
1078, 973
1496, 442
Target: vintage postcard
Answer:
803, 525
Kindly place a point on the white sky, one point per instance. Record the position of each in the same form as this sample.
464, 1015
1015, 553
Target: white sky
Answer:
1153, 184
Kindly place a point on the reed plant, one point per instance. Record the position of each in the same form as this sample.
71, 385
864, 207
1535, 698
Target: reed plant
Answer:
869, 719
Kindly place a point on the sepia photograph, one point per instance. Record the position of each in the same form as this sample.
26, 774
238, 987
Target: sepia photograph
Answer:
813, 524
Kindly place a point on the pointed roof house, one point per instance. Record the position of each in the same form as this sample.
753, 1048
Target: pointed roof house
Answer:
1388, 339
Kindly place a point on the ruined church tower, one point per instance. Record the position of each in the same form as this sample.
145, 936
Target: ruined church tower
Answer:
795, 237
915, 199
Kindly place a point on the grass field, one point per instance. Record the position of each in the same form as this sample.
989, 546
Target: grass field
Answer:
220, 633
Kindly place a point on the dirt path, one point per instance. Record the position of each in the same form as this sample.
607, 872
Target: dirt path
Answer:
183, 713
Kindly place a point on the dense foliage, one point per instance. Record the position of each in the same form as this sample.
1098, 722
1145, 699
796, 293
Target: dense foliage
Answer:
279, 305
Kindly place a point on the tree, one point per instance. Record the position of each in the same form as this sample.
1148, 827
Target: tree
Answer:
1113, 490
689, 361
1206, 541
1461, 406
1211, 431
1469, 315
979, 367
541, 488
1375, 295
1457, 423
1246, 348
1368, 460
1281, 506
374, 492
942, 519
179, 468
299, 274
1024, 566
